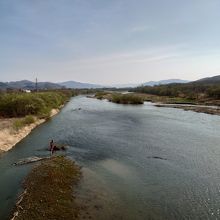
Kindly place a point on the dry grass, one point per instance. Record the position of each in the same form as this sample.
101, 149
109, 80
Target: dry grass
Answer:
21, 122
49, 191
6, 123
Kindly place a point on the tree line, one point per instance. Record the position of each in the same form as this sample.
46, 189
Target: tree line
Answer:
39, 104
188, 90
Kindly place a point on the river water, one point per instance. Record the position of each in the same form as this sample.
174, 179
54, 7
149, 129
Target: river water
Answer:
139, 162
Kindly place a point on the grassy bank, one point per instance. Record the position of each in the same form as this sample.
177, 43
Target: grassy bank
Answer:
139, 98
39, 104
197, 93
21, 112
166, 99
21, 122
163, 101
120, 98
49, 191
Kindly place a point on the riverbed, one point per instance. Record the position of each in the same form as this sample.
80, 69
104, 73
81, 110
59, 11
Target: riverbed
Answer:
139, 162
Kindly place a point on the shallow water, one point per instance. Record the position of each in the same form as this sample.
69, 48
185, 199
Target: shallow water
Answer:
139, 162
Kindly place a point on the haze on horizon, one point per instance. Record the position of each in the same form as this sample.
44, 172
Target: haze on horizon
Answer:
109, 42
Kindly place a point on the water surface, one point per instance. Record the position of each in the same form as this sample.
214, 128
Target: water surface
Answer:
139, 162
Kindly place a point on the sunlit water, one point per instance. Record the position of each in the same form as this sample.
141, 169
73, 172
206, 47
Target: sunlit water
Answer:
139, 162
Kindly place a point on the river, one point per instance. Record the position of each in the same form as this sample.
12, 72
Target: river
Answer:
139, 162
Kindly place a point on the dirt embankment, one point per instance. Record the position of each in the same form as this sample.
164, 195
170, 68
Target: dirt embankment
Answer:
9, 137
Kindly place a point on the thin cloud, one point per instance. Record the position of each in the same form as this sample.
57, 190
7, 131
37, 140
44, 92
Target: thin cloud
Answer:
138, 29
144, 55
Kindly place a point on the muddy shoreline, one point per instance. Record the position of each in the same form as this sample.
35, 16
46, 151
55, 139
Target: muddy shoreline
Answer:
212, 110
49, 191
207, 106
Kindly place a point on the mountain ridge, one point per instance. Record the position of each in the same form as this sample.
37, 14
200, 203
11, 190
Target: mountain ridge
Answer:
164, 82
209, 80
79, 85
26, 84
151, 83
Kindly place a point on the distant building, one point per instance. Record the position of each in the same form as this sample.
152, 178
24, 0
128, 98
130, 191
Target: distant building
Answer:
27, 90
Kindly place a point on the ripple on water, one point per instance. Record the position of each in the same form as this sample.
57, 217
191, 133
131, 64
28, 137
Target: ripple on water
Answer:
123, 151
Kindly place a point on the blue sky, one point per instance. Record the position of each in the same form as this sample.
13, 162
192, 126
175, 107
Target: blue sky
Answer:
109, 41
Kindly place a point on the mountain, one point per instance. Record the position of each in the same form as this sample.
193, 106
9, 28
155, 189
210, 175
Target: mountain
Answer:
209, 80
79, 85
164, 82
25, 84
49, 85
3, 86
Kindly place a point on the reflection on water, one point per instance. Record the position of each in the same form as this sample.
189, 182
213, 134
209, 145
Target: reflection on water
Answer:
97, 201
116, 168
139, 162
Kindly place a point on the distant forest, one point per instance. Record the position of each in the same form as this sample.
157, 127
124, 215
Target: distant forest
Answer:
205, 88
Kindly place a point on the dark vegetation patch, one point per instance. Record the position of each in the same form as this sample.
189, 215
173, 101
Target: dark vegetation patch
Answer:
188, 93
49, 191
39, 104
120, 98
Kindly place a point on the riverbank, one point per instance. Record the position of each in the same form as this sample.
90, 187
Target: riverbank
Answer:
203, 106
119, 169
212, 110
9, 136
49, 191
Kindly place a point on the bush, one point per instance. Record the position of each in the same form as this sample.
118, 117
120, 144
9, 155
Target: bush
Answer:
126, 99
17, 125
101, 94
214, 92
40, 104
29, 119
20, 123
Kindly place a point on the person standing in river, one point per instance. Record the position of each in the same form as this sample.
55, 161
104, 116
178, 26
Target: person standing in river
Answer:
51, 147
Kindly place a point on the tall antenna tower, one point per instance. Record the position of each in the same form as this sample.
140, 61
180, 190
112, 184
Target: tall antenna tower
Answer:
36, 86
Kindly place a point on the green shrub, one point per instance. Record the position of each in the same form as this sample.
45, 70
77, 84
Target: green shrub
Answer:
101, 94
44, 113
29, 119
20, 123
126, 99
40, 104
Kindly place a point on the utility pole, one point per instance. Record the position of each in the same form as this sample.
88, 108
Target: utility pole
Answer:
36, 88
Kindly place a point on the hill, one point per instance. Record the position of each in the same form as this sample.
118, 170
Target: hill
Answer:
209, 80
150, 83
202, 90
79, 85
3, 86
25, 84
164, 82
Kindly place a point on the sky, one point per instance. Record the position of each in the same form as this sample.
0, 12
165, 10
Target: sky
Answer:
109, 41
